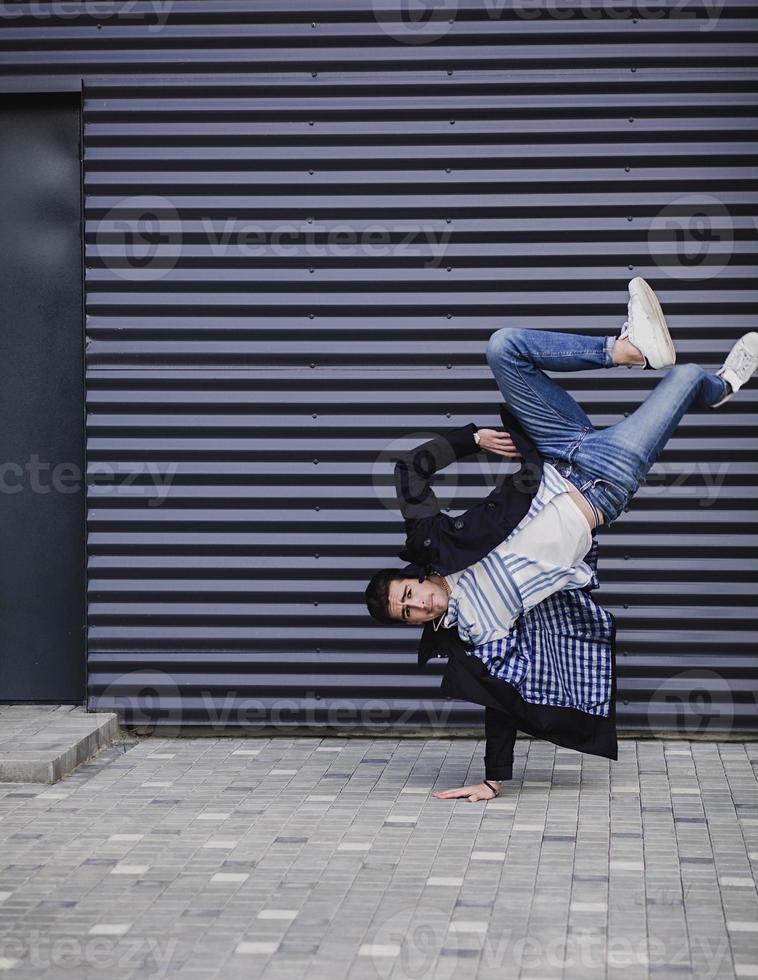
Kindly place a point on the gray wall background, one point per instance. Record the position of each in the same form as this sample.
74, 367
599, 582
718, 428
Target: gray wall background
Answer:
303, 221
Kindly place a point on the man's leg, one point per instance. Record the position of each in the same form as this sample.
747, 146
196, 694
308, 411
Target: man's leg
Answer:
518, 358
612, 462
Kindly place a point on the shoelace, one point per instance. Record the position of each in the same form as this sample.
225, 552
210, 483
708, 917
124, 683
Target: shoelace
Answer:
740, 360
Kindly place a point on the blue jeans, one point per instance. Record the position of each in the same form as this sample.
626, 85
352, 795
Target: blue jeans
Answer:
607, 465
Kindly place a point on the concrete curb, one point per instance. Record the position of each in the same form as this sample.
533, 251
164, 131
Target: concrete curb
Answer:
41, 744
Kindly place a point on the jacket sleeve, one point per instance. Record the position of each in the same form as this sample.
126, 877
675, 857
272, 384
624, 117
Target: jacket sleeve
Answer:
500, 732
414, 470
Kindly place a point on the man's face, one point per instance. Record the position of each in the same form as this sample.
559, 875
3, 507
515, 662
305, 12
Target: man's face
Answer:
416, 602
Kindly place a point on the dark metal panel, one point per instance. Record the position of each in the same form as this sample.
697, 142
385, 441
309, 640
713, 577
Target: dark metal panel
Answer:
244, 362
42, 476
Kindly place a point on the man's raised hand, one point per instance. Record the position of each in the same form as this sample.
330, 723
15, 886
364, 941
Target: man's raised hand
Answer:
498, 442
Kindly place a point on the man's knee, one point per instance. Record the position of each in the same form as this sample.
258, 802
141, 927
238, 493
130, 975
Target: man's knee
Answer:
503, 342
689, 371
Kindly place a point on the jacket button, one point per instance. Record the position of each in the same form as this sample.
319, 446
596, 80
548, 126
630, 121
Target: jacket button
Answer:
491, 505
458, 525
427, 542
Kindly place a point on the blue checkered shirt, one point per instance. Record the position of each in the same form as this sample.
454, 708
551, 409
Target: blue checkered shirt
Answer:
554, 653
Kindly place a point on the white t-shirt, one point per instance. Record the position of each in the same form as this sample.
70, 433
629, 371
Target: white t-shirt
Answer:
542, 555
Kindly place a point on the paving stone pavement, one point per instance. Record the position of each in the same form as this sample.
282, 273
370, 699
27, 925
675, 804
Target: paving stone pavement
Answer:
329, 858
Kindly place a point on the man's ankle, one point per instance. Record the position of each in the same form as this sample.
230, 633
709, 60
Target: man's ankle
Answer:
624, 352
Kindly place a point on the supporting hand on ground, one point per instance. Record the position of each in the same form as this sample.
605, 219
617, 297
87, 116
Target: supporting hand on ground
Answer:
474, 793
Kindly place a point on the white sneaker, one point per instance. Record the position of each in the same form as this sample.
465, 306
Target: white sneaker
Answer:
740, 364
646, 326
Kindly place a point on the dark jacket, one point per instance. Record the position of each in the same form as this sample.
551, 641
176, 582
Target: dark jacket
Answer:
437, 542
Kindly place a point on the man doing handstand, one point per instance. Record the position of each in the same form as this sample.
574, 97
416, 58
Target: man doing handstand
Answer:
588, 478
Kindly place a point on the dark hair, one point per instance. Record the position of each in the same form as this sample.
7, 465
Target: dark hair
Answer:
378, 593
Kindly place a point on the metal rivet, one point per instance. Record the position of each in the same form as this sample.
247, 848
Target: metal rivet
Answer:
317, 507
452, 122
631, 119
315, 462
314, 416
627, 169
629, 217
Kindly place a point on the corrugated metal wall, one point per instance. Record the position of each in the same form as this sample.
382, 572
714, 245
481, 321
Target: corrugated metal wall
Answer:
303, 221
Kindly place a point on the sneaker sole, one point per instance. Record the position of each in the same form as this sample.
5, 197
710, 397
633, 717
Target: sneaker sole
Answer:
664, 354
